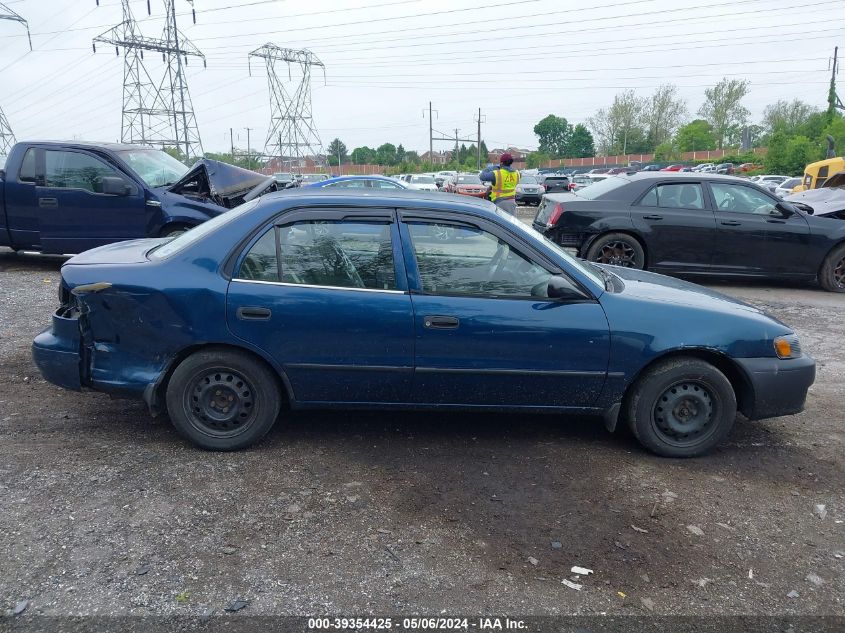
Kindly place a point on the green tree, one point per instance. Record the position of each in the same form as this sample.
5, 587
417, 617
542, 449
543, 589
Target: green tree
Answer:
176, 153
696, 136
336, 150
663, 114
400, 154
666, 152
788, 116
723, 109
363, 155
814, 126
412, 158
554, 133
776, 160
536, 159
836, 129
386, 154
799, 152
484, 154
580, 143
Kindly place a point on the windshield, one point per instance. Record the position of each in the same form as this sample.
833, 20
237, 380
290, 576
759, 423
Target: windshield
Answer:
283, 176
469, 179
521, 227
601, 187
428, 180
792, 182
527, 180
313, 178
182, 241
156, 168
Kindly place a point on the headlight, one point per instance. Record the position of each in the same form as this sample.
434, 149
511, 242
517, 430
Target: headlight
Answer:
787, 346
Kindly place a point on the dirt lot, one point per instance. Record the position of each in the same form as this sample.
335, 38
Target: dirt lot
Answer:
104, 510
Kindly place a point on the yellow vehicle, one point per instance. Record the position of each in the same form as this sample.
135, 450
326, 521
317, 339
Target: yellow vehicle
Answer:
816, 173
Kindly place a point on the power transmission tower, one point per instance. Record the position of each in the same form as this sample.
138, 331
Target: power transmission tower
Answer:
7, 137
156, 112
292, 134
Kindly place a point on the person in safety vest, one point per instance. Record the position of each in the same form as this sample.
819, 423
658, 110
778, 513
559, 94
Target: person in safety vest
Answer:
504, 179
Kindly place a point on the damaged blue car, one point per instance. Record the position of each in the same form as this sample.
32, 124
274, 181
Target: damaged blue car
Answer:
320, 298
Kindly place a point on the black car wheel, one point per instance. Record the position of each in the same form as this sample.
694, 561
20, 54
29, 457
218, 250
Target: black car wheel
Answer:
681, 408
617, 249
223, 400
832, 273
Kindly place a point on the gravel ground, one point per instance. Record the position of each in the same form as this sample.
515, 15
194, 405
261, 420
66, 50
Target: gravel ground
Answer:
104, 510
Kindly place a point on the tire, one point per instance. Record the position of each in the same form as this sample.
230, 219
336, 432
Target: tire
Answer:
617, 249
681, 407
223, 400
832, 273
172, 230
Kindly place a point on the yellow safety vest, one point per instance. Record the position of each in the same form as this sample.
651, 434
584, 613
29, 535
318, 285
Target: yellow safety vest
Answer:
505, 186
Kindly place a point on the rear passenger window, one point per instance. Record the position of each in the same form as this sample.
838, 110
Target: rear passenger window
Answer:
675, 196
261, 263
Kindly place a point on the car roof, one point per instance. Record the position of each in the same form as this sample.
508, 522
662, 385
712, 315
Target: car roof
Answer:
355, 177
115, 147
680, 175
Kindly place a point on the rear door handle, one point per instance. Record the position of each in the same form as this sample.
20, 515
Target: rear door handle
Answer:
652, 217
436, 322
253, 313
48, 203
731, 223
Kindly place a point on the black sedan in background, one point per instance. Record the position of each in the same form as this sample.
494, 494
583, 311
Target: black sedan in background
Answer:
696, 224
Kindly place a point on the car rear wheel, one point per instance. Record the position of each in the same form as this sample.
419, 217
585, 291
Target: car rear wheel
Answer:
832, 273
617, 249
681, 407
223, 400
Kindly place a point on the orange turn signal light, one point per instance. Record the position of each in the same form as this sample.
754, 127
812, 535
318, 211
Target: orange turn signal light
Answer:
783, 348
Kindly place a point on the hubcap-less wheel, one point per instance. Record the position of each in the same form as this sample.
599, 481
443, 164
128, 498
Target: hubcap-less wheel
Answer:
220, 403
683, 414
839, 273
617, 253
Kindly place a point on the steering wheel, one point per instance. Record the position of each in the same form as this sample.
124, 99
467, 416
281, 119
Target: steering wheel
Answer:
728, 203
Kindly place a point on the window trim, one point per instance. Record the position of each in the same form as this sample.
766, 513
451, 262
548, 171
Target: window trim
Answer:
42, 181
706, 202
772, 198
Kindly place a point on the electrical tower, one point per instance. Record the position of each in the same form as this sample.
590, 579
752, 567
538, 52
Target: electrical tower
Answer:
156, 112
7, 137
292, 134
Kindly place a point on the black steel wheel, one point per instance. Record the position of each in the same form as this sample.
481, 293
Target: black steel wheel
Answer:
617, 249
223, 399
832, 273
681, 407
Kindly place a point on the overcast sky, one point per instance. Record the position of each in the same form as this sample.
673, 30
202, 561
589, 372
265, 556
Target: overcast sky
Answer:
386, 59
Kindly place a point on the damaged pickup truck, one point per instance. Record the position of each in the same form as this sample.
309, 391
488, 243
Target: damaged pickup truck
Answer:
68, 197
828, 201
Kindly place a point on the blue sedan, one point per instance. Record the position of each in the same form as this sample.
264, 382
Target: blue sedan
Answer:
321, 298
361, 182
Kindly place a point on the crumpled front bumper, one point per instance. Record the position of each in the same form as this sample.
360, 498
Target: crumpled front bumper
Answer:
780, 385
57, 350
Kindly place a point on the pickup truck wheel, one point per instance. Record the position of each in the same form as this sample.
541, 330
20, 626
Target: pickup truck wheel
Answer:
832, 273
172, 230
682, 407
223, 400
617, 249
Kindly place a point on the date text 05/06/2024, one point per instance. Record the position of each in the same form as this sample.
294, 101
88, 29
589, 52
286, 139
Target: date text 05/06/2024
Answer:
417, 624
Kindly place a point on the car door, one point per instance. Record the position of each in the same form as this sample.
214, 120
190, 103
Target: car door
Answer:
678, 225
753, 235
320, 292
73, 212
485, 332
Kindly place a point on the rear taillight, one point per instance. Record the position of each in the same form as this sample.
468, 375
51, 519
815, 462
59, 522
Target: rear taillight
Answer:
555, 216
571, 186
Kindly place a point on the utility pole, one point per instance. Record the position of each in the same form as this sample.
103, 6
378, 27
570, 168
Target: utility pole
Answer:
232, 143
248, 151
833, 100
7, 137
478, 141
455, 138
431, 132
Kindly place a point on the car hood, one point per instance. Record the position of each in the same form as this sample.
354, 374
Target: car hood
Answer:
128, 252
655, 288
822, 201
223, 184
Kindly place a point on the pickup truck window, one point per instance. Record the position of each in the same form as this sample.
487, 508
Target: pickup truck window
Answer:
156, 168
27, 171
73, 170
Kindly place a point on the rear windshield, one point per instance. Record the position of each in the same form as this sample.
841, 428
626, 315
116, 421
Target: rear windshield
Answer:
528, 180
602, 187
468, 179
423, 179
183, 241
556, 179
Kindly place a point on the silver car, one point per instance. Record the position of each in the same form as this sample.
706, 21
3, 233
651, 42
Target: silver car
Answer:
785, 188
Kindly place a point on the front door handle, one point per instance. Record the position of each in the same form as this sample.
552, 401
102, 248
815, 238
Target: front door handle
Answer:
652, 217
436, 322
731, 223
48, 203
253, 313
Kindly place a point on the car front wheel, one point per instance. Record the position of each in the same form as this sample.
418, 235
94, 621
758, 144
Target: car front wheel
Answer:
681, 407
223, 400
617, 249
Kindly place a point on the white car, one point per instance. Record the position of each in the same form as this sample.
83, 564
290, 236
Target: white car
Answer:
421, 182
785, 188
705, 168
770, 181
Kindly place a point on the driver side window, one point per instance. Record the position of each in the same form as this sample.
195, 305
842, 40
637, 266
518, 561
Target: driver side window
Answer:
74, 170
460, 260
739, 199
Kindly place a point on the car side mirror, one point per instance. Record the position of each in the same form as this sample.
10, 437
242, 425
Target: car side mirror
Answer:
114, 186
785, 209
562, 288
